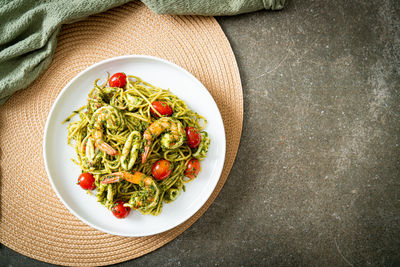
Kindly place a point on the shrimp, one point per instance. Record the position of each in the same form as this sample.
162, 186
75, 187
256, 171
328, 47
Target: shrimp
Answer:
146, 198
92, 153
174, 138
112, 119
132, 145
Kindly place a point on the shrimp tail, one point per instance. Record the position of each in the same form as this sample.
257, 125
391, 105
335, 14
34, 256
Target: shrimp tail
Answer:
145, 154
135, 177
111, 178
106, 148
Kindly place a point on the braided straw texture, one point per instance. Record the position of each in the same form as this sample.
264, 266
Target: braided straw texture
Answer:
34, 222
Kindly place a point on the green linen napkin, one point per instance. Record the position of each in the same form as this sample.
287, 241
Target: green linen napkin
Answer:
211, 7
29, 29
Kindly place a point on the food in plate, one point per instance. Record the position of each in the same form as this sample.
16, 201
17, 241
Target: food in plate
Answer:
136, 144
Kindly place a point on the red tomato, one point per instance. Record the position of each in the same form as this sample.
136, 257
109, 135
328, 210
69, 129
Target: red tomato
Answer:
86, 181
119, 210
162, 108
117, 80
193, 168
193, 137
161, 169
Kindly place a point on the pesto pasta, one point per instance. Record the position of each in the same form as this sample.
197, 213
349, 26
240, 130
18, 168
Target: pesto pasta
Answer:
130, 130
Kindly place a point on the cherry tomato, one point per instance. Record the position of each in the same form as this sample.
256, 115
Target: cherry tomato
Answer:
86, 181
119, 210
193, 168
193, 137
161, 169
162, 108
117, 80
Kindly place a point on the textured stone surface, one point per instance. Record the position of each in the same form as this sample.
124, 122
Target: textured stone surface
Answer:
317, 177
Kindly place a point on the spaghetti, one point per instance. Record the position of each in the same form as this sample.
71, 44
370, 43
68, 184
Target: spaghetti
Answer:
120, 124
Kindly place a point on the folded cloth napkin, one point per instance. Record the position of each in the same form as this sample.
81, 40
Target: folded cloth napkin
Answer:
28, 29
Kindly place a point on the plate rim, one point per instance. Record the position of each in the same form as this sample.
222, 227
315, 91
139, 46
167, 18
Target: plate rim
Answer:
64, 90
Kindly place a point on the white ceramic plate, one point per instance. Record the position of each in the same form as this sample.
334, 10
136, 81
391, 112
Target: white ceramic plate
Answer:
63, 173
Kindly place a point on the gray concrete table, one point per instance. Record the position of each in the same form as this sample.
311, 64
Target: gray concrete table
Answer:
317, 176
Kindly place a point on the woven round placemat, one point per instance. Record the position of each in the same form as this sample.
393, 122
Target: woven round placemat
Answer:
33, 220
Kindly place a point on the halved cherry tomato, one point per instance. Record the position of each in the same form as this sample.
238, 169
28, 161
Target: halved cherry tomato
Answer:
193, 168
193, 137
161, 169
162, 108
119, 210
117, 80
86, 181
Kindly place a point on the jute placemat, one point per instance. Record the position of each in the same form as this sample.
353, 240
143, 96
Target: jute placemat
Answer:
33, 220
